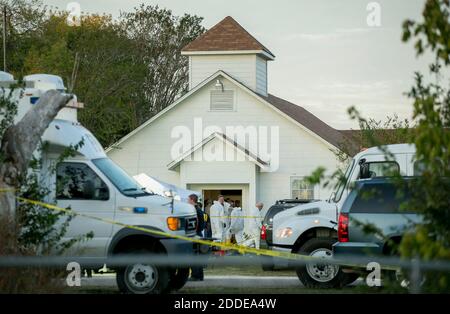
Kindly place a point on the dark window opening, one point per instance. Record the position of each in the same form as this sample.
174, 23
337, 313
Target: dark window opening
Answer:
77, 181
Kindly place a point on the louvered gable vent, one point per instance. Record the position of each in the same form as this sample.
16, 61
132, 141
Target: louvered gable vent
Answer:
222, 100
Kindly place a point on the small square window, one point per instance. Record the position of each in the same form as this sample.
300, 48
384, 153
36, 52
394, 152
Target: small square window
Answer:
301, 189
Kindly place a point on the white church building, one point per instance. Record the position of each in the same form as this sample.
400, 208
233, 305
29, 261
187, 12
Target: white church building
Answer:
228, 135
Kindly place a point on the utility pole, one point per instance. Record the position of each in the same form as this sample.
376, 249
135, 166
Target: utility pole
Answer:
4, 38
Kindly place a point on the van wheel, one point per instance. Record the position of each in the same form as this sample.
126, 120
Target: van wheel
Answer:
142, 278
178, 278
320, 275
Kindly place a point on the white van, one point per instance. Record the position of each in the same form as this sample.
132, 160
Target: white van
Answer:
311, 229
92, 184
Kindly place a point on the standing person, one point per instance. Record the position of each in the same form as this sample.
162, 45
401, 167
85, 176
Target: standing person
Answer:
237, 225
218, 216
228, 208
208, 231
254, 224
207, 204
197, 271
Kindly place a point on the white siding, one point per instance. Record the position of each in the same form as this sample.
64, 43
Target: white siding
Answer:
261, 76
300, 152
241, 67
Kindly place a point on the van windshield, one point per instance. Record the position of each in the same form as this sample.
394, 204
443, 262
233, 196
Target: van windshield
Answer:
121, 180
343, 183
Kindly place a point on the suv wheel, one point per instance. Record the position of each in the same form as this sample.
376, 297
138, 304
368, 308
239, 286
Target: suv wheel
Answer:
142, 278
320, 275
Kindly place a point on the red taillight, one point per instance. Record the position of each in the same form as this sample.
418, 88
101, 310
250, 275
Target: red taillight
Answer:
263, 232
343, 228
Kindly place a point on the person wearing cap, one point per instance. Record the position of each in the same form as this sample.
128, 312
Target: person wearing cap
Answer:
197, 271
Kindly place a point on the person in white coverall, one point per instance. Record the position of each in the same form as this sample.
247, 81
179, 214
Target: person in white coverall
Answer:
237, 225
218, 215
253, 225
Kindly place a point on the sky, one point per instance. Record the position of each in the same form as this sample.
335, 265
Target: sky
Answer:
328, 55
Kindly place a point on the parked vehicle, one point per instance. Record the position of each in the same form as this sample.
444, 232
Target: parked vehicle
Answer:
267, 224
311, 229
92, 184
374, 202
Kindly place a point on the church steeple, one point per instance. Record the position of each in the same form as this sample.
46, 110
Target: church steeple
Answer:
227, 46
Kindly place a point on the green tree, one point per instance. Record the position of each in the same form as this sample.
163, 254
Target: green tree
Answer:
371, 132
160, 36
430, 239
125, 70
431, 100
23, 18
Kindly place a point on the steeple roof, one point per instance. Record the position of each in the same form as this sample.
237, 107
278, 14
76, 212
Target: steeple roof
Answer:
228, 35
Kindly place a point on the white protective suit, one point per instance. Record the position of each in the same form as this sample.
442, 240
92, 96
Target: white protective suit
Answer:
237, 225
253, 226
218, 215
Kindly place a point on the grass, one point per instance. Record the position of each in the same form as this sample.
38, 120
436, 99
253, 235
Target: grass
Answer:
229, 290
246, 271
256, 290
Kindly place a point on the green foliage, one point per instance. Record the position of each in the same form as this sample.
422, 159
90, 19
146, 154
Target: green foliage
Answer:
23, 18
371, 132
430, 192
39, 228
431, 100
124, 70
433, 32
8, 109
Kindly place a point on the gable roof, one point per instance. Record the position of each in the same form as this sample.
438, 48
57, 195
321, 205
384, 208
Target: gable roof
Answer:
296, 114
253, 157
307, 119
227, 35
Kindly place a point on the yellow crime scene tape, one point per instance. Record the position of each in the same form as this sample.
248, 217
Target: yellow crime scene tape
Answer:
245, 217
168, 235
225, 246
7, 190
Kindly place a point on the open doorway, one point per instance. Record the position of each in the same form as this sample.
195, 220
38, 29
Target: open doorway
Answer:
236, 192
231, 196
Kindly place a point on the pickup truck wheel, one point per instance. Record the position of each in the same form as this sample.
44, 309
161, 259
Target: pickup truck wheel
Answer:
320, 275
142, 278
